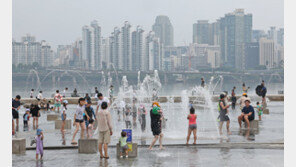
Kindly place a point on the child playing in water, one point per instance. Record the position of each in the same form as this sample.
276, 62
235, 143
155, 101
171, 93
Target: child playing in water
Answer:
89, 118
192, 125
259, 110
63, 114
128, 118
39, 143
123, 144
26, 119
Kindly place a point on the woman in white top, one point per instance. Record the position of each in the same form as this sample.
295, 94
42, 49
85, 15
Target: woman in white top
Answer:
79, 121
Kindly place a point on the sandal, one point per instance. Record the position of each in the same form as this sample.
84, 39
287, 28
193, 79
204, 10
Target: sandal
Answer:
102, 157
106, 157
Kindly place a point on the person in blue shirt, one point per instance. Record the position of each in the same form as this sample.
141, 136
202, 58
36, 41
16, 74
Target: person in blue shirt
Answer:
248, 114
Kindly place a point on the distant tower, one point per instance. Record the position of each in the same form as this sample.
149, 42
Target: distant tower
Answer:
164, 30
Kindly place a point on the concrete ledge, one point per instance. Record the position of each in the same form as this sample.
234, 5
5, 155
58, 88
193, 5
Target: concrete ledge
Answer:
254, 125
131, 154
266, 111
243, 145
87, 146
58, 124
19, 146
53, 117
161, 99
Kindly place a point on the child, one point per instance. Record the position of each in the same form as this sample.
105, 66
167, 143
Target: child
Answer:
123, 144
63, 114
259, 110
128, 117
39, 143
48, 105
192, 125
26, 119
89, 118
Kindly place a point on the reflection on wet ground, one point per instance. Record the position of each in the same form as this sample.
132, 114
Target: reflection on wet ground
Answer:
176, 156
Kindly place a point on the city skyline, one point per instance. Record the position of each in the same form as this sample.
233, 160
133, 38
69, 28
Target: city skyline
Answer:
61, 29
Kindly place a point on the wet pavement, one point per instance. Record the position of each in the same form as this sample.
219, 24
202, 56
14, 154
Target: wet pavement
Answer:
171, 156
271, 128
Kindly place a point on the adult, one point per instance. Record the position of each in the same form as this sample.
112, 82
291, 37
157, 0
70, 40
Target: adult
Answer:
104, 128
32, 93
192, 125
65, 92
247, 115
263, 94
57, 100
35, 112
39, 96
245, 89
156, 119
233, 98
142, 116
16, 105
242, 100
87, 98
202, 84
102, 99
96, 93
223, 114
78, 119
111, 93
134, 114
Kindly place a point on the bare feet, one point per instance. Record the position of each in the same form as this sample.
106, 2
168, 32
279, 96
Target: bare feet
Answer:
194, 143
161, 148
150, 148
229, 133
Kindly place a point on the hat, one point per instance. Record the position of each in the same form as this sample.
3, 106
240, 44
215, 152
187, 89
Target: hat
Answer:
27, 110
65, 101
39, 131
156, 103
244, 94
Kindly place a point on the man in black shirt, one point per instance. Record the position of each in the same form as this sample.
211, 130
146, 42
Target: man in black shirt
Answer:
16, 104
248, 114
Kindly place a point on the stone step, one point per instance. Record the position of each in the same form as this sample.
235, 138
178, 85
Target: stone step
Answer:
266, 111
18, 146
53, 117
87, 146
58, 124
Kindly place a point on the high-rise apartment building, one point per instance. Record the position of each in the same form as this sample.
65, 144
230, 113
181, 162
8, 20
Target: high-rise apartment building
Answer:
126, 46
164, 30
235, 29
138, 48
91, 46
267, 52
154, 53
28, 51
250, 55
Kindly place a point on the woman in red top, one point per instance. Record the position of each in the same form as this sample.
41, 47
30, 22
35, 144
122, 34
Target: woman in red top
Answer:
192, 125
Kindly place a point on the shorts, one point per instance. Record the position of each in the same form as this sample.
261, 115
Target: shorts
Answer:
104, 137
156, 132
34, 114
79, 120
15, 114
192, 126
63, 118
123, 148
260, 113
87, 122
250, 118
57, 104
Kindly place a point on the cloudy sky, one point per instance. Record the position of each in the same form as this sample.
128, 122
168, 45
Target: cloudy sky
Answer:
60, 21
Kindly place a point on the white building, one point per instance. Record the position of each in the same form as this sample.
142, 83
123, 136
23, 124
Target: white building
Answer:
138, 48
267, 52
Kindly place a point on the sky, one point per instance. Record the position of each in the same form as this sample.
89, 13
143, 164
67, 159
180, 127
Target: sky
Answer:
60, 22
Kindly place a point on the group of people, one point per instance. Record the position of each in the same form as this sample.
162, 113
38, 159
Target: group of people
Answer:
247, 110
